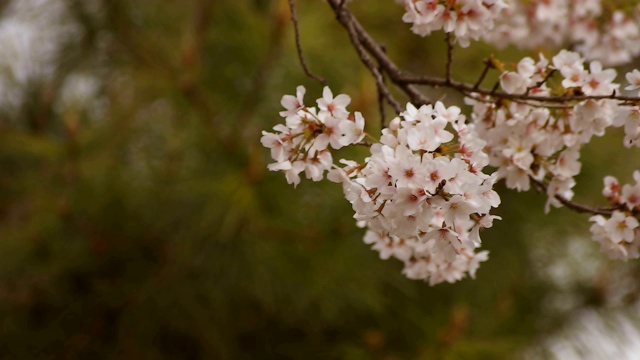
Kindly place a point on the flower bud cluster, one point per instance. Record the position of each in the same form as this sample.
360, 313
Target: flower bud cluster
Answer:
619, 234
541, 140
611, 36
466, 19
422, 194
303, 143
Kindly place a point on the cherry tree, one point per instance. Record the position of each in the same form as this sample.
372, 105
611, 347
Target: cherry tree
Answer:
425, 191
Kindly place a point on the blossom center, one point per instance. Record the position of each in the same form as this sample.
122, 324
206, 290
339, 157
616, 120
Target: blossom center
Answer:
409, 173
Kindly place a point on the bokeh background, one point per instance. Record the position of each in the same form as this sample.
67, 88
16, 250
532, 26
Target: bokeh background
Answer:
138, 219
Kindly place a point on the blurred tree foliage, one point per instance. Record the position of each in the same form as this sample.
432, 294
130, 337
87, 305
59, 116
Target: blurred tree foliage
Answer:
141, 223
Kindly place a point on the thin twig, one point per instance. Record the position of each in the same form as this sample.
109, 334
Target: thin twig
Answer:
347, 20
464, 88
381, 95
381, 99
541, 82
296, 31
487, 65
417, 98
580, 208
369, 63
494, 89
449, 57
404, 80
367, 48
489, 100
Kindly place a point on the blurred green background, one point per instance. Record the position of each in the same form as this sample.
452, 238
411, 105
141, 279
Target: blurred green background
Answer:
138, 219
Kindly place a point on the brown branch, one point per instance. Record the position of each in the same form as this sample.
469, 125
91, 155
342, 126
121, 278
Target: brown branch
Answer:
347, 20
381, 97
381, 100
296, 31
541, 186
488, 100
367, 48
405, 80
364, 57
487, 65
541, 82
494, 89
467, 89
449, 57
370, 64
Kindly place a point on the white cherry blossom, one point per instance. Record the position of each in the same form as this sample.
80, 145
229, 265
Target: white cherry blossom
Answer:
633, 78
421, 192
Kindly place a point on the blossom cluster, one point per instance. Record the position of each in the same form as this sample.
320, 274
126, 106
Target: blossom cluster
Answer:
629, 116
422, 195
619, 234
600, 31
533, 140
536, 141
302, 143
466, 19
597, 29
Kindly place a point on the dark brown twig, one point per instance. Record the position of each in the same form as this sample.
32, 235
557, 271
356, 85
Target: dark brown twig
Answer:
381, 100
296, 31
404, 80
449, 57
487, 65
541, 186
368, 48
467, 88
489, 100
370, 64
541, 82
366, 42
381, 97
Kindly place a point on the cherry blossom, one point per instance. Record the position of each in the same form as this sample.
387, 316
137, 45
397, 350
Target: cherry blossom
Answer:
337, 106
633, 78
612, 37
420, 192
619, 233
425, 207
302, 143
525, 141
619, 236
468, 19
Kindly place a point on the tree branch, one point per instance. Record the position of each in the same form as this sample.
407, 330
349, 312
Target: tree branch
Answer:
348, 21
381, 100
466, 89
487, 65
405, 80
449, 57
296, 31
541, 82
580, 208
364, 57
367, 48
